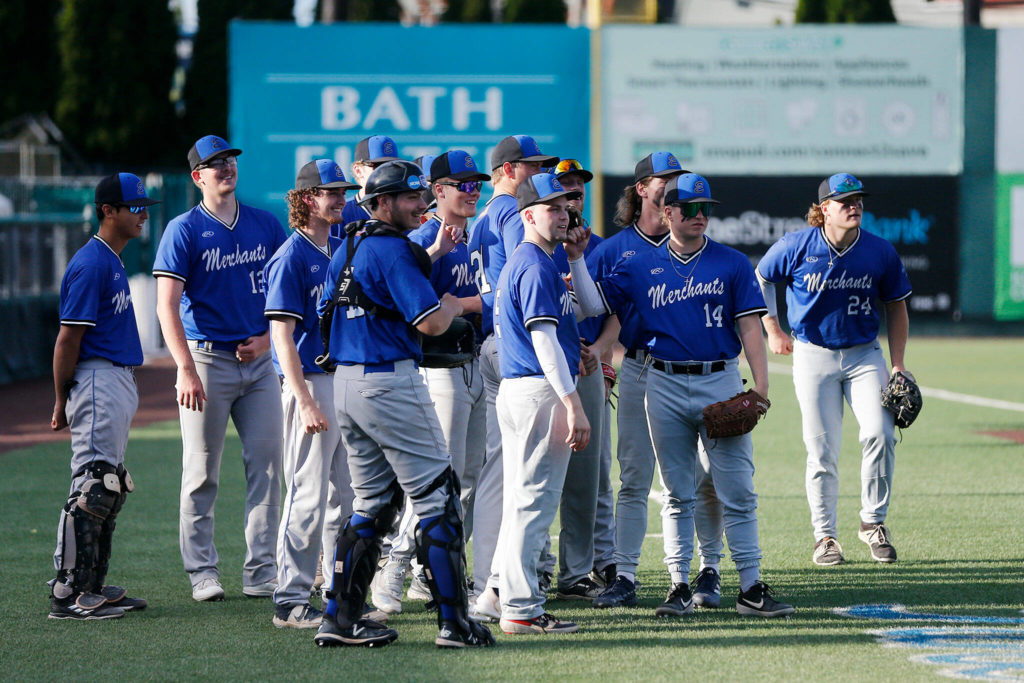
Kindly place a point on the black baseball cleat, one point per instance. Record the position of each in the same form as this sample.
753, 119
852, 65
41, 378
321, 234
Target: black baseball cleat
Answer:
118, 597
622, 593
459, 634
757, 601
363, 633
84, 606
679, 602
584, 589
707, 589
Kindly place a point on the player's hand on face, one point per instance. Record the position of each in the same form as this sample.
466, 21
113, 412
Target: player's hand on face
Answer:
252, 348
190, 390
589, 361
60, 419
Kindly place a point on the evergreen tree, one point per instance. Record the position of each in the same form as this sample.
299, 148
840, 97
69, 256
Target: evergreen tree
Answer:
29, 67
844, 12
116, 64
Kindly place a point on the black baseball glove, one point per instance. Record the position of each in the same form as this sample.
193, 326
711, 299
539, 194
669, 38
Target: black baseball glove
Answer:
902, 397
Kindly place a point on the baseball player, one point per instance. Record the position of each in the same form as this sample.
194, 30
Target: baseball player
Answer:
836, 274
370, 153
210, 302
587, 472
452, 370
377, 287
539, 408
640, 213
94, 358
314, 459
692, 295
496, 232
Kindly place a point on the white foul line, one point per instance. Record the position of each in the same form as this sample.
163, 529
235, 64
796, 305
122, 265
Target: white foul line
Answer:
941, 394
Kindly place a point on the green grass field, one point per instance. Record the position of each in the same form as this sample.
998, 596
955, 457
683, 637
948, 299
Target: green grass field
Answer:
956, 519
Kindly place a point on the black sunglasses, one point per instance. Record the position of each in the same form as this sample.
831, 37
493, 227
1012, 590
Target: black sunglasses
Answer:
469, 187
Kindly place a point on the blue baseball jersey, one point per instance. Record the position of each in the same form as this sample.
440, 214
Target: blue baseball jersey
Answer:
831, 295
625, 244
295, 278
532, 290
222, 268
386, 269
94, 292
452, 273
350, 213
487, 249
687, 305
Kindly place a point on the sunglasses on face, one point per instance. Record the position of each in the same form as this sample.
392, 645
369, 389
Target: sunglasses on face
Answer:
469, 187
691, 210
133, 209
220, 163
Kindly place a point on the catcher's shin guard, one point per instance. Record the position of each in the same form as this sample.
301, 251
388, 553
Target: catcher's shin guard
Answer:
355, 559
107, 531
81, 527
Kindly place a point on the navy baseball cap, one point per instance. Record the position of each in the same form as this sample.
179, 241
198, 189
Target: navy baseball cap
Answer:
208, 147
839, 186
322, 173
124, 189
540, 189
566, 166
376, 149
457, 165
689, 188
519, 148
657, 164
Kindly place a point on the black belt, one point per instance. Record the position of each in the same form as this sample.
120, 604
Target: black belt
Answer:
688, 368
203, 345
636, 354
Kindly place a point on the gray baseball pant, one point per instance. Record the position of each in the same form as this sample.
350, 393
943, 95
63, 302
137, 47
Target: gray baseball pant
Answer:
487, 508
604, 525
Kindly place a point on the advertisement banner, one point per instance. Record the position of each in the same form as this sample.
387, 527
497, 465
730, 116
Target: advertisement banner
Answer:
1009, 298
918, 215
785, 101
299, 93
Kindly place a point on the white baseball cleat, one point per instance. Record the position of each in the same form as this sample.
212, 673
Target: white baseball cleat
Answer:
487, 608
386, 588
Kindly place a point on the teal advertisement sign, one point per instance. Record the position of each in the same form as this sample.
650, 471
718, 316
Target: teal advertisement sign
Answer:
807, 100
299, 93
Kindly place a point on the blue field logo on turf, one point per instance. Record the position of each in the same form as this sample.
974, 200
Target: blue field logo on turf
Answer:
971, 647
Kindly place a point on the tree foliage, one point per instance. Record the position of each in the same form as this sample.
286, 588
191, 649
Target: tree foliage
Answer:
206, 87
116, 64
29, 68
534, 11
844, 12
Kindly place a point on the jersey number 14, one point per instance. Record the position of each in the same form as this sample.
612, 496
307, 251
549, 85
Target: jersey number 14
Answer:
712, 318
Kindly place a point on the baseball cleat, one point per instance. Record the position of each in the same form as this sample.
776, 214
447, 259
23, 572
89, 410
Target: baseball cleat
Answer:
260, 590
828, 552
297, 616
418, 589
363, 633
544, 580
386, 588
757, 601
545, 623
373, 614
622, 593
454, 634
605, 576
584, 589
878, 539
678, 603
83, 607
118, 597
487, 608
707, 589
208, 590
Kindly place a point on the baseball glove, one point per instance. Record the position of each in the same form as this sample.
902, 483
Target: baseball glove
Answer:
902, 397
736, 416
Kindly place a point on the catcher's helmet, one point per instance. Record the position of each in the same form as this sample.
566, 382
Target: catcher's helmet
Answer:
394, 177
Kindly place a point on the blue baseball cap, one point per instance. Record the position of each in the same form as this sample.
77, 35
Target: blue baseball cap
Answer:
658, 164
424, 163
839, 186
519, 148
124, 189
376, 149
208, 147
457, 165
689, 188
322, 173
540, 189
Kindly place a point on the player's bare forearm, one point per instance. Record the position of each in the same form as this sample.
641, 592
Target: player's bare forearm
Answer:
897, 323
754, 351
576, 420
281, 331
471, 304
188, 386
65, 357
778, 341
441, 319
